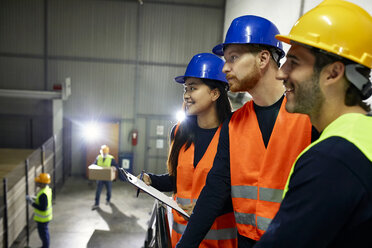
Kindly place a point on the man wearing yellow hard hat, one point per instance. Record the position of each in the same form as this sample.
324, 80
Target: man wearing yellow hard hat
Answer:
328, 198
104, 159
42, 205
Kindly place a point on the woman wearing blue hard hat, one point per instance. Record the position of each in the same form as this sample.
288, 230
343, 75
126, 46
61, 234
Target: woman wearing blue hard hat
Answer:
194, 144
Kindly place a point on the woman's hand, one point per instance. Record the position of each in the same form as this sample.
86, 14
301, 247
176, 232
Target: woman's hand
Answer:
146, 179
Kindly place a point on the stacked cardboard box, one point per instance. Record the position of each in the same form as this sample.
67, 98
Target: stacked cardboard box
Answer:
96, 172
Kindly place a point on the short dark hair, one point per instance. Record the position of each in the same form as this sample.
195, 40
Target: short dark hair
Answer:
353, 96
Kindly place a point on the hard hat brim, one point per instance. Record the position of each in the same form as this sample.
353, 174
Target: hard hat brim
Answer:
218, 50
283, 38
180, 79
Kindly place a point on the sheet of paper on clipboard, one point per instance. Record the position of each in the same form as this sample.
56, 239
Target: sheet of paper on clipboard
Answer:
153, 192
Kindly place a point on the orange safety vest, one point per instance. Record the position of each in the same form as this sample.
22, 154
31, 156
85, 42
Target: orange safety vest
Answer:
259, 173
190, 182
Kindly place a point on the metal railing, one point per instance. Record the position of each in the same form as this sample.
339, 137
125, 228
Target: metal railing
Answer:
158, 232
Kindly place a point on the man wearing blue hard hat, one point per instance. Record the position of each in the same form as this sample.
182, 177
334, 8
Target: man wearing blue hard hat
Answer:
258, 144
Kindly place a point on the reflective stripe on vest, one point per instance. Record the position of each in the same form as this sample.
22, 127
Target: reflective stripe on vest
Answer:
250, 219
190, 182
183, 201
259, 173
47, 215
104, 162
354, 127
250, 192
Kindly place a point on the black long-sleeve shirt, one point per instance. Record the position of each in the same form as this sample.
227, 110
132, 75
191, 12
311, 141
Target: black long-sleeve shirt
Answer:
329, 202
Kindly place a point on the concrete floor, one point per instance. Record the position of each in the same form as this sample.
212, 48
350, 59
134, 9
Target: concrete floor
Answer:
120, 224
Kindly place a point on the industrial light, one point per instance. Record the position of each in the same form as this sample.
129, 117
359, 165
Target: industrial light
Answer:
91, 131
180, 116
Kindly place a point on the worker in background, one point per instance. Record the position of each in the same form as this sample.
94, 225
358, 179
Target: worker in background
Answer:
328, 202
104, 159
194, 145
42, 205
258, 144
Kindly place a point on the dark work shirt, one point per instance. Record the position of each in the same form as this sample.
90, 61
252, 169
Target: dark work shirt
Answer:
329, 202
218, 184
266, 117
202, 140
43, 203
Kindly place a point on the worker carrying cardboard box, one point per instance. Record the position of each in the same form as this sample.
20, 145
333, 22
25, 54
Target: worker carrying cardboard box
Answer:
105, 160
42, 204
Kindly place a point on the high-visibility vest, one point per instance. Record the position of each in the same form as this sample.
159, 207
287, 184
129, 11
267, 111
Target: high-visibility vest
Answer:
190, 182
104, 162
354, 127
47, 215
259, 173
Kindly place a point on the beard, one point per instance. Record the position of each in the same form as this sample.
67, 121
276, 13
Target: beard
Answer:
308, 98
247, 82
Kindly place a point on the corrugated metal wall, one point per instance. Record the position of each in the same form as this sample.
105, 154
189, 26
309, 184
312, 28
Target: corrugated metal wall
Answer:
121, 57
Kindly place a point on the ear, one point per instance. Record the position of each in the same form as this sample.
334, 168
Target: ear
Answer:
334, 72
263, 58
215, 94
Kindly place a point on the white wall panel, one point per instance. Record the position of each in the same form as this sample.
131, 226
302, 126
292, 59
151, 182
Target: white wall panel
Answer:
93, 28
366, 4
99, 91
21, 73
173, 34
21, 26
158, 93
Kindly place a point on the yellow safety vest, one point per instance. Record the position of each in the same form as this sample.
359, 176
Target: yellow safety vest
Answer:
104, 162
47, 215
354, 127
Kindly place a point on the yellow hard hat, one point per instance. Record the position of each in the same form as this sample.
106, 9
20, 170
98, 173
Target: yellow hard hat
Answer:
43, 178
338, 27
105, 149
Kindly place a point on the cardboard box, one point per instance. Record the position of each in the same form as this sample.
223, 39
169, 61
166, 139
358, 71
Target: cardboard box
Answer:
96, 172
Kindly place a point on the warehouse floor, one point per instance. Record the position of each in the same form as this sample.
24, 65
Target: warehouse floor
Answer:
120, 224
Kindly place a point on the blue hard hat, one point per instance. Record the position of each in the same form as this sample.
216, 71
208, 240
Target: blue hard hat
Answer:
251, 29
204, 65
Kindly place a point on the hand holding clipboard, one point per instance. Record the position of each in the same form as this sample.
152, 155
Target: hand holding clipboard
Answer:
152, 192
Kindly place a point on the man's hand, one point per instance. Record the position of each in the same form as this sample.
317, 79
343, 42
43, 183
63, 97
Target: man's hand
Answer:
146, 179
30, 199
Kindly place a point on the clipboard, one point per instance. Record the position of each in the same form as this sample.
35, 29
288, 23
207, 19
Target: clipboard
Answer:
153, 192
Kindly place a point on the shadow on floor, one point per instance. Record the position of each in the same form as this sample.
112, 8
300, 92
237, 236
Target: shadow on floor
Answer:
123, 231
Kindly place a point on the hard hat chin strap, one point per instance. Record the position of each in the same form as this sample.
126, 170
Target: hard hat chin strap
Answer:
358, 80
276, 56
